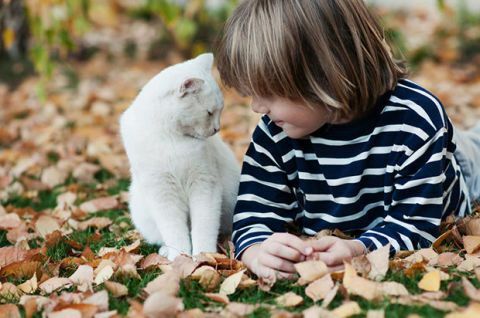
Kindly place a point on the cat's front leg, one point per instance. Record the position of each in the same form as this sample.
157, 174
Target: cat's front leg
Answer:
170, 215
205, 213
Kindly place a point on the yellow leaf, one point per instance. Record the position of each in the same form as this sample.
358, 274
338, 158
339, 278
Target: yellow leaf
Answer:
430, 281
8, 38
30, 286
471, 243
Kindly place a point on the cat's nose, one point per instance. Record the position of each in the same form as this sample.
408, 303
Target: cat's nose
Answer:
215, 130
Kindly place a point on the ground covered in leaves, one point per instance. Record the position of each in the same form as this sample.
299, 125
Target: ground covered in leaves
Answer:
68, 248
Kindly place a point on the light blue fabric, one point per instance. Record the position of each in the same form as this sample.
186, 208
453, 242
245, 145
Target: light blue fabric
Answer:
468, 157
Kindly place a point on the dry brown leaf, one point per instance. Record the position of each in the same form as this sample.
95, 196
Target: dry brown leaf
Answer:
9, 311
12, 254
54, 176
472, 226
380, 313
83, 278
30, 286
289, 299
99, 204
104, 274
45, 225
347, 309
191, 313
66, 313
449, 259
168, 283
184, 265
319, 288
153, 260
99, 299
54, 283
424, 254
330, 296
430, 281
107, 314
316, 312
96, 222
207, 276
238, 310
378, 263
359, 286
230, 284
472, 311
117, 289
219, 298
471, 243
470, 290
159, 305
9, 221
310, 271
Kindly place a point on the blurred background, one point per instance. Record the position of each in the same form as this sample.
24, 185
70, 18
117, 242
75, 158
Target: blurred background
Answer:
68, 68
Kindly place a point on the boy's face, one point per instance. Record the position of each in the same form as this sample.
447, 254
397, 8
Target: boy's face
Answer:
295, 118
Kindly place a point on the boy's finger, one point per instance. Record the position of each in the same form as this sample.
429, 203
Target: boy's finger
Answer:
329, 258
323, 243
284, 251
277, 263
294, 242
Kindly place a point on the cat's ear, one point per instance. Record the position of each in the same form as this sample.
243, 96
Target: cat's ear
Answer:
190, 86
206, 60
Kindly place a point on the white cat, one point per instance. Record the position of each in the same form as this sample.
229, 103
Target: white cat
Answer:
184, 178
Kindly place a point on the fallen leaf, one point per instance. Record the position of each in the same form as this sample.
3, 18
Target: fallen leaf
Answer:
117, 289
430, 281
471, 243
153, 260
168, 283
99, 204
66, 313
99, 299
30, 286
289, 299
470, 290
104, 274
238, 310
310, 271
358, 285
96, 222
159, 305
379, 262
9, 311
379, 313
45, 225
219, 298
54, 283
9, 221
83, 278
207, 276
319, 288
472, 311
229, 285
347, 309
316, 312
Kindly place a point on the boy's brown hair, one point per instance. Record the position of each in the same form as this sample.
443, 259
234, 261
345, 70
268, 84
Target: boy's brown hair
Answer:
321, 52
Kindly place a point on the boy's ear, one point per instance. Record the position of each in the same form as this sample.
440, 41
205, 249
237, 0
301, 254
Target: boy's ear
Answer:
190, 86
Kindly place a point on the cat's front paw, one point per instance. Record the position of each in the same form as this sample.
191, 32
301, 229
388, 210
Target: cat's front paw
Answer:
168, 252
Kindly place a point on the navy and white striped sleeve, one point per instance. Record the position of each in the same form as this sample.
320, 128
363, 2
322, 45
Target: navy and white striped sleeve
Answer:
413, 217
265, 203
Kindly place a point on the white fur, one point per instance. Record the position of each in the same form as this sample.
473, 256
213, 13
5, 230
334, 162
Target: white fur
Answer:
184, 178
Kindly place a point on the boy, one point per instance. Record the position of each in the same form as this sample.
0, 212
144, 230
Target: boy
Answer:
345, 141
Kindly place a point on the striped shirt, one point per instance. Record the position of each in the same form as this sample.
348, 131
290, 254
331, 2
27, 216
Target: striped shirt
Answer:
390, 177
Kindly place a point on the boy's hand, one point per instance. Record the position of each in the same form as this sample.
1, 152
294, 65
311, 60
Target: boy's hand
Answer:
333, 251
276, 255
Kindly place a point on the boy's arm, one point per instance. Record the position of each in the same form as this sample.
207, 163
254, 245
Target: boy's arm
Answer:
414, 215
265, 203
